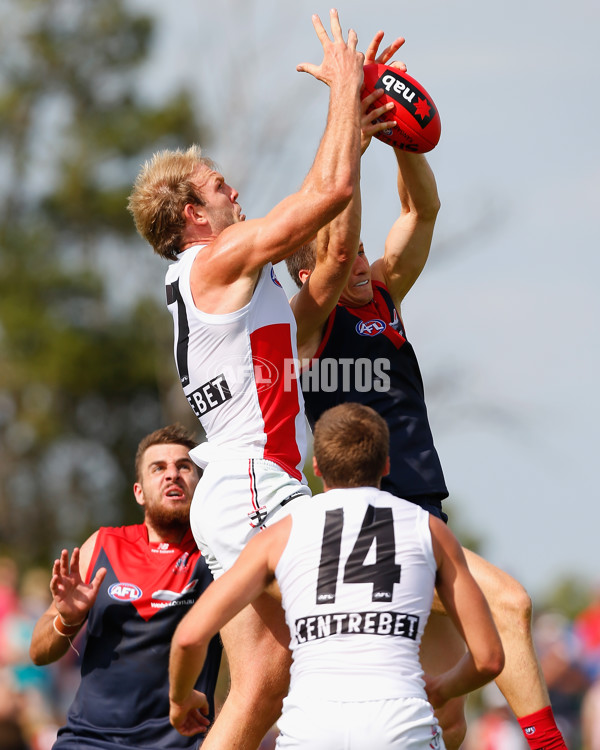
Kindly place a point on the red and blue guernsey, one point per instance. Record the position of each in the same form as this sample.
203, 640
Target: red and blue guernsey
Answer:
123, 699
364, 357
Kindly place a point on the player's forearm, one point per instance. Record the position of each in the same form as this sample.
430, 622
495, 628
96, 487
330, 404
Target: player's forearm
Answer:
47, 644
417, 187
185, 664
463, 678
338, 241
336, 165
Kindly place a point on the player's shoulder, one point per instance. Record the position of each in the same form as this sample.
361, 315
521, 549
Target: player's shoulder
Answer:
131, 532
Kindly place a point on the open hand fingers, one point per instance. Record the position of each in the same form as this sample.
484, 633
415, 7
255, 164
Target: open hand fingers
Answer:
320, 29
336, 29
64, 562
399, 65
371, 51
390, 50
371, 99
75, 561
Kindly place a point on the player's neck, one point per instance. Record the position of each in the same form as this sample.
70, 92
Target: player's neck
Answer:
171, 535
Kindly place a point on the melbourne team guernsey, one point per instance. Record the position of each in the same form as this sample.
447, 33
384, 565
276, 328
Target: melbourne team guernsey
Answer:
365, 357
357, 578
123, 698
238, 372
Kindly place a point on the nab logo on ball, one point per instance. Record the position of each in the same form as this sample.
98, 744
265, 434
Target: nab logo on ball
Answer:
124, 592
370, 327
418, 125
398, 89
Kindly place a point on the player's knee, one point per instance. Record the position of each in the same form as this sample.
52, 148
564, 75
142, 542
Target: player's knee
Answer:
515, 608
451, 719
455, 731
263, 688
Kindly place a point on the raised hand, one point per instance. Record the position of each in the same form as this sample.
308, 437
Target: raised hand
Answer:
369, 125
72, 596
342, 63
371, 53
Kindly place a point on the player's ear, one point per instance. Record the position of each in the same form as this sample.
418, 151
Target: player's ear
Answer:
304, 274
387, 467
315, 465
194, 213
139, 494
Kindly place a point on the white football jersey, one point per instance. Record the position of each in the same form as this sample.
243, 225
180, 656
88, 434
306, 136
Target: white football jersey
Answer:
239, 371
357, 578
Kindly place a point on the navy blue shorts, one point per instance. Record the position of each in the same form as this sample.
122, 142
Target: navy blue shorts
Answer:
431, 505
435, 508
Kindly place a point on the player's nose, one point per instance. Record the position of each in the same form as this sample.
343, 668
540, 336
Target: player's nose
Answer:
172, 470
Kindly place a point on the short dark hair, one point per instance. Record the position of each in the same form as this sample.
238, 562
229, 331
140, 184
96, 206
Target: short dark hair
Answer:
351, 446
173, 434
303, 259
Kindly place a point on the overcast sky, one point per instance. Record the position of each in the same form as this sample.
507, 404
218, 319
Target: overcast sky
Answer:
504, 317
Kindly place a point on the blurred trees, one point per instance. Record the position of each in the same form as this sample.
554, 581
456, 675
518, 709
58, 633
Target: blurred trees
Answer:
84, 334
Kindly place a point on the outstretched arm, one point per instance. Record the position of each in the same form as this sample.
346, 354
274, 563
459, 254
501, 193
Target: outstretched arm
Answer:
336, 248
243, 248
469, 611
337, 243
251, 574
409, 240
72, 599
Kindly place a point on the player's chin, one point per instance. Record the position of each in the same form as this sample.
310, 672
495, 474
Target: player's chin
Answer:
363, 294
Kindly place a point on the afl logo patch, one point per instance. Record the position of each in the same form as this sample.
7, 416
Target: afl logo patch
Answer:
370, 327
124, 592
274, 278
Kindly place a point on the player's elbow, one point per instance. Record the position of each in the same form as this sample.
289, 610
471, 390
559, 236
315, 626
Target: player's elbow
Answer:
185, 640
432, 209
492, 663
340, 188
40, 657
340, 196
428, 209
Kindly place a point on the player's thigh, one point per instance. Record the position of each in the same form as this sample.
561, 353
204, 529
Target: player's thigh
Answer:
256, 643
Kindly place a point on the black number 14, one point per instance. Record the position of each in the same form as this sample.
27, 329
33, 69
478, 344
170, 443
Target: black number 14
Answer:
378, 527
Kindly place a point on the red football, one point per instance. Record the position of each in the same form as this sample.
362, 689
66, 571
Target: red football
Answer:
418, 122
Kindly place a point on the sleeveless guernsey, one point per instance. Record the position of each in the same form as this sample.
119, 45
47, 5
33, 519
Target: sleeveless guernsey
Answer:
123, 699
357, 578
238, 372
365, 357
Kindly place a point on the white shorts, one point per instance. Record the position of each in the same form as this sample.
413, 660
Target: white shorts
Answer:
393, 724
236, 498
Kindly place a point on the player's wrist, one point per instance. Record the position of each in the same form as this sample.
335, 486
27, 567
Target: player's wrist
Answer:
64, 628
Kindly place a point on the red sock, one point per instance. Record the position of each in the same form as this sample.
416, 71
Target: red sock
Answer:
541, 732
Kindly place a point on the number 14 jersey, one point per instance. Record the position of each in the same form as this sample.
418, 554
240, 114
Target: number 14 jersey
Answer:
357, 578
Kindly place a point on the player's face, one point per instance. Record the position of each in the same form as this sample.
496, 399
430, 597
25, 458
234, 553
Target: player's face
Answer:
358, 291
220, 199
168, 478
